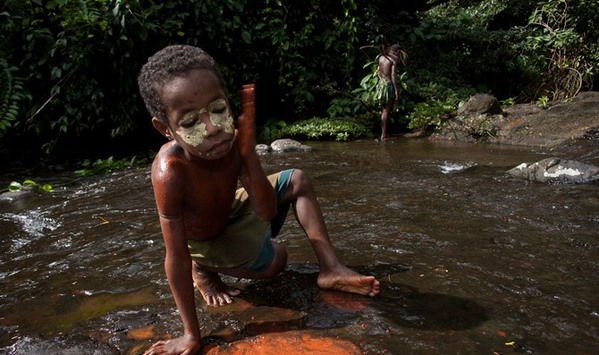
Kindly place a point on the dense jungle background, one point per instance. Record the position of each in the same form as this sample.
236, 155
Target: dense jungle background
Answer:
68, 68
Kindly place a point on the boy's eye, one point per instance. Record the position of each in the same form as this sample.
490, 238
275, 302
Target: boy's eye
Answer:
218, 107
189, 119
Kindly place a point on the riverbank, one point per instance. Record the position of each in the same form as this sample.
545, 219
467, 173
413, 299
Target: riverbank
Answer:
569, 127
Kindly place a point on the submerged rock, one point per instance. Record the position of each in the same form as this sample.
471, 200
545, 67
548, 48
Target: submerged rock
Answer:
557, 170
288, 343
288, 145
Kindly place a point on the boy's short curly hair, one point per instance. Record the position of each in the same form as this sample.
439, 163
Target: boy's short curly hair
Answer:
166, 64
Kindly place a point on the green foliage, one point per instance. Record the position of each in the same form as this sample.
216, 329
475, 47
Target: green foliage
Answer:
78, 60
510, 101
454, 47
273, 129
543, 101
325, 129
74, 58
10, 95
68, 68
103, 166
307, 47
29, 184
432, 113
565, 55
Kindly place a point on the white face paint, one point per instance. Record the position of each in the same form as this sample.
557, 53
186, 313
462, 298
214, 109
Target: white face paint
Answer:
220, 116
193, 131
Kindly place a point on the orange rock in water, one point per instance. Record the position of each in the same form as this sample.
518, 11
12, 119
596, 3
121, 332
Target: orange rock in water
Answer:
287, 343
343, 300
141, 333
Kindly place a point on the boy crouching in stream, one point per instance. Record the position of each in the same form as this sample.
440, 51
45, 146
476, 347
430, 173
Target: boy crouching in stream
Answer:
209, 226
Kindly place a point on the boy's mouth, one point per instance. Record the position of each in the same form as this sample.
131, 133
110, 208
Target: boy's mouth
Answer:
220, 146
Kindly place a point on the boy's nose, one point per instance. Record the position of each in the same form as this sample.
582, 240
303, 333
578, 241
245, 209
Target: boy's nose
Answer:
211, 128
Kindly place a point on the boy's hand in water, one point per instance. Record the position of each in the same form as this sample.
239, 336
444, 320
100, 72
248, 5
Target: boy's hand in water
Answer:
246, 135
181, 345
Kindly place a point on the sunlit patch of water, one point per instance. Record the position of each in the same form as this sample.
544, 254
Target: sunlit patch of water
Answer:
452, 167
34, 223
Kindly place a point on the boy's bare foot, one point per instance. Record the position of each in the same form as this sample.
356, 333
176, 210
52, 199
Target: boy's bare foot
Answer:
347, 280
214, 291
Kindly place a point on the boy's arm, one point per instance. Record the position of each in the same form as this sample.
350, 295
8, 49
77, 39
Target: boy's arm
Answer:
394, 78
177, 265
169, 195
253, 179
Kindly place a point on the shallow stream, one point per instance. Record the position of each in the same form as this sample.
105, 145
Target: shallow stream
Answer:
470, 260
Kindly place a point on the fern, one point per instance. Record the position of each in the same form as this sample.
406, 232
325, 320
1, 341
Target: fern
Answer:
9, 97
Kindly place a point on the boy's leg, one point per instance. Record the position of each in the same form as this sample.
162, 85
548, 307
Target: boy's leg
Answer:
216, 293
384, 119
270, 262
333, 274
212, 288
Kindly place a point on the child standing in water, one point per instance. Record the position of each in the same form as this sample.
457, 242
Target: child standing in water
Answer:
209, 226
388, 92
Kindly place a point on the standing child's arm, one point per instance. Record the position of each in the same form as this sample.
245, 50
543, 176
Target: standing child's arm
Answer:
253, 179
394, 77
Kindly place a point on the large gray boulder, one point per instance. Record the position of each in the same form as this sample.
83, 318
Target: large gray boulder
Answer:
479, 119
557, 170
288, 145
480, 104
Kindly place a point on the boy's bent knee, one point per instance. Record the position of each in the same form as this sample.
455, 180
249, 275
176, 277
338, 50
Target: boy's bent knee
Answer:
300, 180
279, 261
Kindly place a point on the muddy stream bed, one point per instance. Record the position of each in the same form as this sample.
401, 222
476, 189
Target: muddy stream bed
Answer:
470, 260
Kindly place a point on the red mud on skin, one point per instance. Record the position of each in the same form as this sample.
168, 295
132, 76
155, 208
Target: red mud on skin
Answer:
288, 343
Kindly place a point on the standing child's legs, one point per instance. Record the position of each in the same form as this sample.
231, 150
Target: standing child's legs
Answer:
333, 274
384, 122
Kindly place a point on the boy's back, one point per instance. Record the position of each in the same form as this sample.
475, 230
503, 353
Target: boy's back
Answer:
386, 63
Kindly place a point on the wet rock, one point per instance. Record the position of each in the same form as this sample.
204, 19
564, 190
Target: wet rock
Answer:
562, 123
288, 343
142, 333
481, 118
288, 145
76, 344
262, 148
253, 318
10, 196
480, 104
557, 170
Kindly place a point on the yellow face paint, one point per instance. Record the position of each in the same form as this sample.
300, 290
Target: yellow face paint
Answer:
193, 131
220, 116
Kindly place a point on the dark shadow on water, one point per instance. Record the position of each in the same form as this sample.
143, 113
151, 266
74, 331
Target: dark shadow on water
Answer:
398, 304
409, 308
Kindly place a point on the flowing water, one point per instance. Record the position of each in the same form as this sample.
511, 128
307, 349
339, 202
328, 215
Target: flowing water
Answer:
470, 260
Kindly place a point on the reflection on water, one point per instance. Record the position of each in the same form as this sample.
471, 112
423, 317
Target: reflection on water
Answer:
471, 261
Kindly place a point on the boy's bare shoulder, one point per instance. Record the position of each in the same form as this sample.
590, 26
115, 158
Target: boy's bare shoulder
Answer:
169, 162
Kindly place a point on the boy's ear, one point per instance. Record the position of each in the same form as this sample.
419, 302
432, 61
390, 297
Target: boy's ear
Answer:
162, 128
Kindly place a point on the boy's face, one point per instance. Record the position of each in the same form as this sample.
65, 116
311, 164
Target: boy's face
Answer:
198, 113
